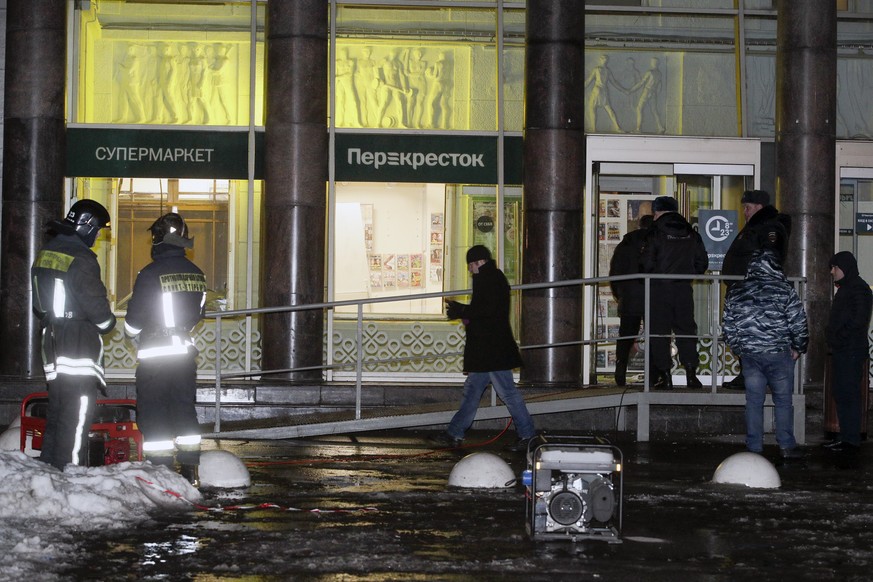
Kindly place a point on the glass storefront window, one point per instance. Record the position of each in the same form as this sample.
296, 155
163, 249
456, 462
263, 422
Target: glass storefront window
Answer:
163, 63
389, 241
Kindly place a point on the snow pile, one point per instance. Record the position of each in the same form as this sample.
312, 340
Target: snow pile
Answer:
10, 440
43, 510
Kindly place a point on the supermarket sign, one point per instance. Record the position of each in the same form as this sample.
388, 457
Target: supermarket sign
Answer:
174, 153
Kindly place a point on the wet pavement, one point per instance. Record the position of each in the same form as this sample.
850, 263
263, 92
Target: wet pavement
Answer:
377, 507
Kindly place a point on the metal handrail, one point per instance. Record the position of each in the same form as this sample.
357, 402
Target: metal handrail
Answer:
218, 316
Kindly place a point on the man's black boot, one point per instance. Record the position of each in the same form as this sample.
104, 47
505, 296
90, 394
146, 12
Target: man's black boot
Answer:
620, 373
691, 378
663, 381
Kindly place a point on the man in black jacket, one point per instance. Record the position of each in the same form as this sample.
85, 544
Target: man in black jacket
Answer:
71, 302
490, 353
846, 335
629, 294
766, 228
168, 300
673, 247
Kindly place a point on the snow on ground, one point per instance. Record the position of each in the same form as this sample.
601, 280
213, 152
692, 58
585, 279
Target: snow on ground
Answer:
44, 511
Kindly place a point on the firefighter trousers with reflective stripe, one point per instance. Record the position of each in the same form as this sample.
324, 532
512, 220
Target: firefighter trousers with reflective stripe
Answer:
166, 390
71, 407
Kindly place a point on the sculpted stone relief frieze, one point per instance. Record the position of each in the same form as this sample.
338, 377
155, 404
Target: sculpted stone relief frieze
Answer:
394, 87
174, 83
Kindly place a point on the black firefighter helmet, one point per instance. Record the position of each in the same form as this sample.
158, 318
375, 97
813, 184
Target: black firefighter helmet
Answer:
85, 218
172, 230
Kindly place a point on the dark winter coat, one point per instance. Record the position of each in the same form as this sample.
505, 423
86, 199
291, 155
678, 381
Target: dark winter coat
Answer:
168, 300
851, 308
630, 294
70, 299
763, 313
490, 345
766, 229
672, 246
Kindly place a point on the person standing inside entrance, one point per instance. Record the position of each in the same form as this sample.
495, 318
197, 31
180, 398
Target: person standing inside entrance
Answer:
846, 335
71, 302
168, 300
629, 294
672, 247
765, 228
490, 352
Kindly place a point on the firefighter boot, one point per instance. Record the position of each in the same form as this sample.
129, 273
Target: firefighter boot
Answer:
191, 473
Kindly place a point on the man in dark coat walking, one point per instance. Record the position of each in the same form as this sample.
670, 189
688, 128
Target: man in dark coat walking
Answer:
490, 353
673, 247
766, 228
630, 294
846, 335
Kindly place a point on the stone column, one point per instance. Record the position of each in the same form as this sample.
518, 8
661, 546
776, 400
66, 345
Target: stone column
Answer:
554, 180
295, 191
34, 149
806, 105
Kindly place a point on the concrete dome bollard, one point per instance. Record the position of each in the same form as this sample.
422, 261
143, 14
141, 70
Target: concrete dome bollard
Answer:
223, 470
482, 470
749, 469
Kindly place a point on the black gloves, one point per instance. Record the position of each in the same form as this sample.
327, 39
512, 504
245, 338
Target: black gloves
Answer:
455, 310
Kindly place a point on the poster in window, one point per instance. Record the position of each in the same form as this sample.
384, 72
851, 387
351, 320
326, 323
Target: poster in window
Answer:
375, 262
403, 279
416, 261
415, 278
402, 262
367, 220
389, 279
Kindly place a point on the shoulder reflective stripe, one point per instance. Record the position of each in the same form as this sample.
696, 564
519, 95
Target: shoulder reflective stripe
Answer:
130, 330
80, 429
59, 300
188, 440
202, 301
169, 316
152, 446
105, 324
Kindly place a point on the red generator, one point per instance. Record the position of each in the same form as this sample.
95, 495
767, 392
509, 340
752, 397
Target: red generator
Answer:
113, 438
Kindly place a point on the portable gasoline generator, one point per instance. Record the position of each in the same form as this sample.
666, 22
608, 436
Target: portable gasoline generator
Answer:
113, 438
573, 489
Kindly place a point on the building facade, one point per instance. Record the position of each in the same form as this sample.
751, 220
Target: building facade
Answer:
166, 106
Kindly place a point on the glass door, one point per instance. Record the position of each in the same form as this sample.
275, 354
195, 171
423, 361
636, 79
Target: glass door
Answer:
624, 195
855, 217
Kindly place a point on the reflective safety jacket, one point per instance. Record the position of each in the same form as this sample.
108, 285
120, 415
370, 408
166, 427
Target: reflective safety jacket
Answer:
169, 299
70, 299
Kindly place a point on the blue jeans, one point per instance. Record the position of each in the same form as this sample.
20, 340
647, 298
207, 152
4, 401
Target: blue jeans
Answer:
777, 371
475, 386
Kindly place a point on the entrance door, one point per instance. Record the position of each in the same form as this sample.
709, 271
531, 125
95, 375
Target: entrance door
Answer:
701, 174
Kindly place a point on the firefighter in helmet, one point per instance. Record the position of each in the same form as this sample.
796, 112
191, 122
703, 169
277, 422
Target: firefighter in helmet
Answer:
70, 300
168, 300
